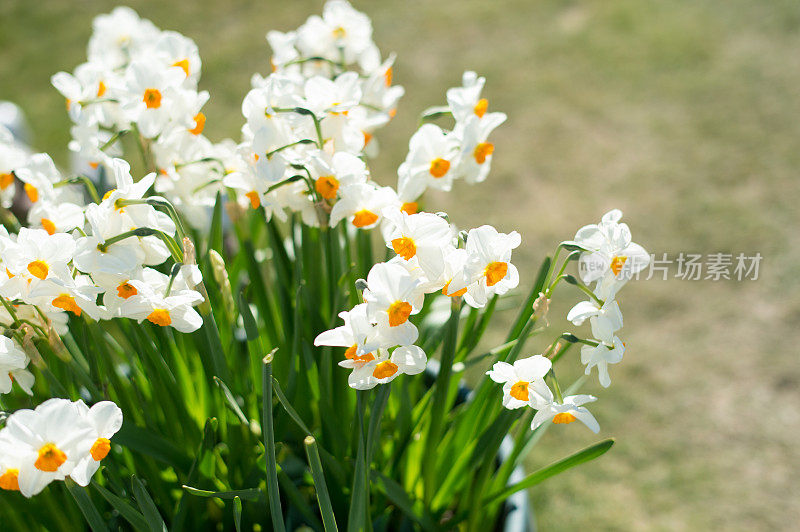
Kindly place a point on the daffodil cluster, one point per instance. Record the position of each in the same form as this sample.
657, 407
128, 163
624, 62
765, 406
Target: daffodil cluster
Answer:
428, 259
56, 440
607, 257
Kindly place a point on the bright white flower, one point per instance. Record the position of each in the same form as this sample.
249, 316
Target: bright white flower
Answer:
422, 237
362, 204
105, 419
115, 35
567, 412
523, 383
475, 157
13, 364
39, 175
339, 170
173, 310
601, 356
605, 320
74, 295
488, 264
431, 157
283, 47
609, 249
392, 294
466, 101
34, 257
323, 95
12, 156
341, 34
178, 51
55, 217
45, 444
154, 96
91, 82
409, 360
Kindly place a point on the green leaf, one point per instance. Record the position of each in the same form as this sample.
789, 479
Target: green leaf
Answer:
86, 506
148, 443
249, 494
399, 497
237, 513
583, 456
289, 409
154, 521
135, 518
269, 443
231, 400
323, 498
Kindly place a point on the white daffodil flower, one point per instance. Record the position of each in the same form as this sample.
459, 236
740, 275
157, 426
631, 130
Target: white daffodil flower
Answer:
523, 382
570, 410
392, 294
431, 157
114, 35
105, 420
362, 204
409, 360
475, 155
153, 94
605, 319
34, 257
422, 237
341, 34
173, 310
488, 265
45, 444
13, 364
601, 356
609, 249
466, 101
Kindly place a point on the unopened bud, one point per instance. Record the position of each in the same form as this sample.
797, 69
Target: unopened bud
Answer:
221, 277
189, 254
361, 285
540, 307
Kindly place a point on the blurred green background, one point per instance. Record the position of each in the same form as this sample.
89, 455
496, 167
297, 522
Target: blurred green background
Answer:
684, 114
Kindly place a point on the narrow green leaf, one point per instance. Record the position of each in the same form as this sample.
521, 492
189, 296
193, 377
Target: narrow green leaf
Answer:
148, 443
268, 430
289, 409
237, 513
399, 497
154, 521
231, 400
249, 494
357, 518
86, 506
583, 456
131, 515
323, 498
526, 310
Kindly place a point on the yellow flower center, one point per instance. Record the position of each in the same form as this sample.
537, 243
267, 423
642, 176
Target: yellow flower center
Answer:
126, 290
6, 180
410, 207
520, 391
184, 64
48, 226
482, 150
152, 98
364, 218
495, 272
10, 480
439, 167
50, 458
617, 263
481, 107
160, 317
100, 449
327, 186
38, 268
199, 124
101, 89
384, 369
339, 33
563, 418
255, 199
67, 302
32, 192
399, 311
404, 247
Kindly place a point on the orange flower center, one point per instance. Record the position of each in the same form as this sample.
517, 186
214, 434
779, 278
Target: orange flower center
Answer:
327, 186
384, 369
38, 269
367, 137
364, 218
10, 480
404, 247
67, 302
152, 98
495, 272
617, 263
387, 76
563, 418
184, 64
6, 180
350, 354
255, 200
439, 167
482, 150
399, 311
520, 391
457, 293
48, 226
100, 449
160, 317
199, 124
101, 89
481, 107
32, 192
410, 207
126, 290
50, 458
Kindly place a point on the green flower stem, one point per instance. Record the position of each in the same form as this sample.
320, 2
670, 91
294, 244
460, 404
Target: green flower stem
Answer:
85, 181
323, 498
268, 431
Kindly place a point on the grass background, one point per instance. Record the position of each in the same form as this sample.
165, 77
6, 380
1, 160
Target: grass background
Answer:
683, 113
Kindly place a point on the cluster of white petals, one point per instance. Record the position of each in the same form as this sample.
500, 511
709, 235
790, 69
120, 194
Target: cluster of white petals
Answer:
58, 439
